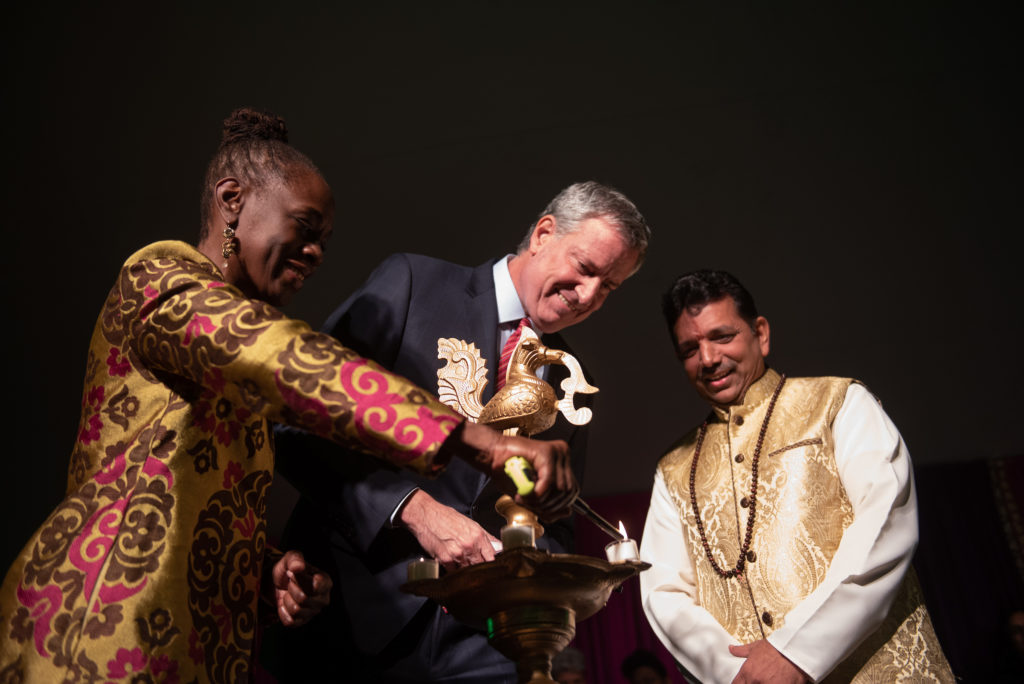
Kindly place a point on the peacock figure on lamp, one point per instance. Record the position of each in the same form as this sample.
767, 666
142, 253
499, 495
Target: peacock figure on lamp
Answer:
526, 404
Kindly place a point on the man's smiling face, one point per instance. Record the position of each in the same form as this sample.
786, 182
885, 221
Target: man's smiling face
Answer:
562, 279
722, 353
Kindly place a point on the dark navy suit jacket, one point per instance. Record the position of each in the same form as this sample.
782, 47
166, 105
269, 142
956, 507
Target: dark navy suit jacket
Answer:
396, 318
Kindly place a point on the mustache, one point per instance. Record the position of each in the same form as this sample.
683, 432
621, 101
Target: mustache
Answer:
717, 371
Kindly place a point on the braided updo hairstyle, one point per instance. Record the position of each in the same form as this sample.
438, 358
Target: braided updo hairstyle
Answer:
254, 149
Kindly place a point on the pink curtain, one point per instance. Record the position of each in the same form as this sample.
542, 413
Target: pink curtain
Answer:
970, 558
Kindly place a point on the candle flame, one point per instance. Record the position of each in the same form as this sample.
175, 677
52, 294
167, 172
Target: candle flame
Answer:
622, 529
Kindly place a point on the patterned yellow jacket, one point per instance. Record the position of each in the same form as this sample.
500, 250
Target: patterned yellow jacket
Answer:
149, 569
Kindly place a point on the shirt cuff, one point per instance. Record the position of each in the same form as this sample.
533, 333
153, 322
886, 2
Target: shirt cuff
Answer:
393, 520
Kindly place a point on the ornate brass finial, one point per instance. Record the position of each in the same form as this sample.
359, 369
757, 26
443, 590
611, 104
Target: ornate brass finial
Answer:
462, 380
526, 404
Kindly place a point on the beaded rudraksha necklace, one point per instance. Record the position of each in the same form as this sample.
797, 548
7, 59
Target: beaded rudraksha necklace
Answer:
742, 562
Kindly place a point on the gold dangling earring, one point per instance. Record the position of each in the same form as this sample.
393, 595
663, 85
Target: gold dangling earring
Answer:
228, 246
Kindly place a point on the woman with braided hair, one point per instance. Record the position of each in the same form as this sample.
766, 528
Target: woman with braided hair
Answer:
150, 567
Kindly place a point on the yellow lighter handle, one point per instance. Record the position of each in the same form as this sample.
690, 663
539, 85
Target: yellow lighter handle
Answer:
521, 473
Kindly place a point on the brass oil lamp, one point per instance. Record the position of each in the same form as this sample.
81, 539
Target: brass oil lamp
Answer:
526, 600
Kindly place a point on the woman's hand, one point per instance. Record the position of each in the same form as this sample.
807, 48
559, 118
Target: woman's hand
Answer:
300, 591
487, 450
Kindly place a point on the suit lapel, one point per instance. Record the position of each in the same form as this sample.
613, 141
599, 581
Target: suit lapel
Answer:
479, 325
482, 321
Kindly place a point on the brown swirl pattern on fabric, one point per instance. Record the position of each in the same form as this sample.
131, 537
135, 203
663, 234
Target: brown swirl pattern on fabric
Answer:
149, 568
224, 576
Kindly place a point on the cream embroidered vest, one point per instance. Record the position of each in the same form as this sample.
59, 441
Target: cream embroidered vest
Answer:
802, 512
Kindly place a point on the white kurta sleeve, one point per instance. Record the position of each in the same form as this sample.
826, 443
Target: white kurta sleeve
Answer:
875, 550
668, 591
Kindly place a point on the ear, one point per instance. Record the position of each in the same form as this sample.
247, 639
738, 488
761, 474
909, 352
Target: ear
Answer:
542, 232
228, 196
763, 332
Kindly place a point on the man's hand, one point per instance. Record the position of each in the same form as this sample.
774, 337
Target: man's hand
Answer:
447, 535
765, 664
300, 591
556, 486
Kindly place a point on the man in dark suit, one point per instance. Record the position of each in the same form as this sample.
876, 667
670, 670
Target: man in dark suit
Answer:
365, 525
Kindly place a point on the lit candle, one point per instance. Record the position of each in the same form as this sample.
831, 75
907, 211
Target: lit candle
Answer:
622, 550
421, 569
515, 536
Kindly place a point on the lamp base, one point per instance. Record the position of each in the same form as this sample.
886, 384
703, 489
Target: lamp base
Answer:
531, 636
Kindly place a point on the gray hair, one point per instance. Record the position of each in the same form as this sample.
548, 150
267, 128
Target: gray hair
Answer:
582, 201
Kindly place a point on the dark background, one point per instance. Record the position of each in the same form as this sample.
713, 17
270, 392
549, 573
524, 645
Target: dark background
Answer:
856, 165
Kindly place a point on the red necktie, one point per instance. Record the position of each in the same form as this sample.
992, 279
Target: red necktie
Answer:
506, 351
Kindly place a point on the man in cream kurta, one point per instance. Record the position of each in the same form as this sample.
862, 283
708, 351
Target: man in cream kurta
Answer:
781, 530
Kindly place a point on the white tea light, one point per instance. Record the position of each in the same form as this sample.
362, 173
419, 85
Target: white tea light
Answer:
421, 569
515, 536
622, 550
